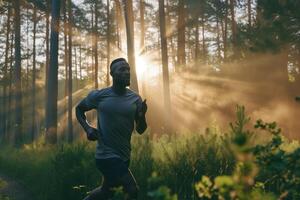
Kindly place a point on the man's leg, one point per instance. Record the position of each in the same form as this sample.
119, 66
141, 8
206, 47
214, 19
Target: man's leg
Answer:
129, 184
101, 193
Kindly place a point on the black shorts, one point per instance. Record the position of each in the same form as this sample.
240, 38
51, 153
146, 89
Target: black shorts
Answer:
112, 168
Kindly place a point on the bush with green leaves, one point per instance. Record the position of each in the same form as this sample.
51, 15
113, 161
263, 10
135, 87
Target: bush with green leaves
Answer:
263, 171
279, 163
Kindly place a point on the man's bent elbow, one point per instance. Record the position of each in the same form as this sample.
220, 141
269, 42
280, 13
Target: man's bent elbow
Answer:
141, 130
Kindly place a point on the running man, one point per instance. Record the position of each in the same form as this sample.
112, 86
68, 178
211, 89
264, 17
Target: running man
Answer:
117, 109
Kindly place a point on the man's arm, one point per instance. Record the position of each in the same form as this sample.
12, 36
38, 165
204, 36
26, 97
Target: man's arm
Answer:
81, 108
141, 124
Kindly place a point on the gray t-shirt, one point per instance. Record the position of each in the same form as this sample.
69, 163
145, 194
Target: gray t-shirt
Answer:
116, 115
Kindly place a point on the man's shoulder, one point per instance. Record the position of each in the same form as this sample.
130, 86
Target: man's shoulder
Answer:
132, 93
96, 93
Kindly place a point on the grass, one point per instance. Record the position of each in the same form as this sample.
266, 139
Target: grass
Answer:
162, 166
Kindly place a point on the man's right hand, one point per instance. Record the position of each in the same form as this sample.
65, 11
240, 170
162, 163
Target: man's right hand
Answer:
92, 134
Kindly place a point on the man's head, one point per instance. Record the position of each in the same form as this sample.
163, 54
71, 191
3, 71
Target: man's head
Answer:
120, 72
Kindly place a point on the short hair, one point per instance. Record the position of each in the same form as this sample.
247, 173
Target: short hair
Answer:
116, 61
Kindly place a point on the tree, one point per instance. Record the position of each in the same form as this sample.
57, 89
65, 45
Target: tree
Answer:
164, 55
5, 75
33, 123
130, 43
52, 85
95, 45
142, 24
70, 81
17, 86
181, 34
233, 26
108, 43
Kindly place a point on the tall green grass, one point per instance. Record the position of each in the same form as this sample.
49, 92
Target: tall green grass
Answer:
166, 165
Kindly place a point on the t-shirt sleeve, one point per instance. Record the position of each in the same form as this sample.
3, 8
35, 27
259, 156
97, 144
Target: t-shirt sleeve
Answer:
92, 99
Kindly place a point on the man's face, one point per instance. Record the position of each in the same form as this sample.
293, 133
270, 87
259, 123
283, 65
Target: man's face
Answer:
121, 73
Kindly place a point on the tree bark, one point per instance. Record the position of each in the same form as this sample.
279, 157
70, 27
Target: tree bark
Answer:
142, 21
169, 34
10, 115
197, 52
130, 43
95, 45
66, 59
70, 84
181, 34
233, 26
5, 110
33, 123
249, 14
164, 56
218, 40
47, 50
120, 23
52, 86
224, 31
108, 44
17, 85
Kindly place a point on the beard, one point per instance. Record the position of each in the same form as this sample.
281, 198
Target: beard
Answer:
122, 81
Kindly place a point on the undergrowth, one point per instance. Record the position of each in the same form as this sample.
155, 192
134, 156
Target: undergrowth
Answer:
208, 165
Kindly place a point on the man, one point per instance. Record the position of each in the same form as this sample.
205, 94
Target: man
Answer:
117, 107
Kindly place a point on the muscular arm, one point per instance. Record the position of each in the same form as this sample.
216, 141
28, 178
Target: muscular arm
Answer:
81, 108
141, 124
140, 118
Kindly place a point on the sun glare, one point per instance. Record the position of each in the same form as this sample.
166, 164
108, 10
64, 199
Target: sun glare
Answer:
145, 68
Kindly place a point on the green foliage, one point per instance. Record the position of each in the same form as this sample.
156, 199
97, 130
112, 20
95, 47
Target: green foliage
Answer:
229, 166
2, 185
241, 184
158, 191
75, 171
279, 165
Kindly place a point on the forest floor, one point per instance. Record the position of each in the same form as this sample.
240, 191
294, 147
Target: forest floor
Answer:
11, 189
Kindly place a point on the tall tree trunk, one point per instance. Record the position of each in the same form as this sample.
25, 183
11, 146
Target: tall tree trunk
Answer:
117, 29
170, 34
120, 23
17, 86
33, 123
95, 45
5, 110
10, 115
80, 62
47, 49
52, 86
142, 18
224, 30
66, 59
70, 127
249, 14
197, 51
203, 37
233, 26
75, 67
92, 45
218, 40
181, 34
108, 44
130, 43
164, 55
